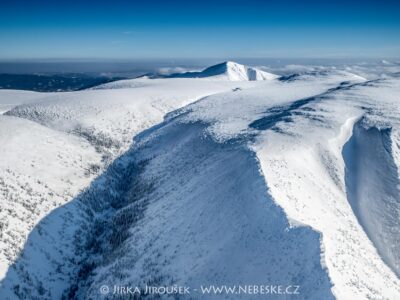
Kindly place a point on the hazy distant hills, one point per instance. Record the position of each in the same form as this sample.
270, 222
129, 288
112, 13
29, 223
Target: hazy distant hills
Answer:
52, 83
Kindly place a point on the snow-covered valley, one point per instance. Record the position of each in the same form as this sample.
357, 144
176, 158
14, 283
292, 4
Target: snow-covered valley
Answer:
228, 176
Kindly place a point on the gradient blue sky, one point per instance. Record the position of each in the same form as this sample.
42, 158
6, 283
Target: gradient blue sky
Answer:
198, 29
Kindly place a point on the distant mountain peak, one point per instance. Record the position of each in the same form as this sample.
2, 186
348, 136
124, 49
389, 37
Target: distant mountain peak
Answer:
228, 70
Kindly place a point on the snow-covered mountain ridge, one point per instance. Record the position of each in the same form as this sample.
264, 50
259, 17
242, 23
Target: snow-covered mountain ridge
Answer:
228, 70
225, 182
231, 71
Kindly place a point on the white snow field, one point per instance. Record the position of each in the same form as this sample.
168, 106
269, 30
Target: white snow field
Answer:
12, 98
230, 176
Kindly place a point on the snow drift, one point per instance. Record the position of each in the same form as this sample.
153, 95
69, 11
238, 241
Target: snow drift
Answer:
372, 181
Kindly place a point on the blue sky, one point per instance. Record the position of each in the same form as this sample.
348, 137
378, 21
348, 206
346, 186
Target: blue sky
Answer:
121, 29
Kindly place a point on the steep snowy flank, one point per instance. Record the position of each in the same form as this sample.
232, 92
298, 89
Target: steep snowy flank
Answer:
299, 145
203, 216
228, 71
40, 170
177, 208
303, 164
372, 180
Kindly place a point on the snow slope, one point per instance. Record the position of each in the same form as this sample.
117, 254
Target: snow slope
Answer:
206, 218
40, 169
303, 164
12, 98
373, 188
110, 115
299, 144
292, 181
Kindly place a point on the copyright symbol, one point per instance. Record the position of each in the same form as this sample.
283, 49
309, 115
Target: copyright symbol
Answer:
104, 289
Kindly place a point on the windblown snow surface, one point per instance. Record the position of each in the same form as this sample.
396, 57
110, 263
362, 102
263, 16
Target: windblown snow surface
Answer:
227, 177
